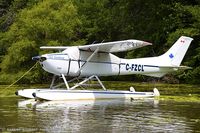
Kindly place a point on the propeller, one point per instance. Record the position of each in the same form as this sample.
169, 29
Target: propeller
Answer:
39, 58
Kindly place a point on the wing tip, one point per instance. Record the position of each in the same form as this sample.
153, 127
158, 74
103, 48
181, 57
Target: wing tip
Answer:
147, 43
144, 43
187, 37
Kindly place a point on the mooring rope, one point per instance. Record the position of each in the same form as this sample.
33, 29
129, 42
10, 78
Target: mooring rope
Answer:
22, 76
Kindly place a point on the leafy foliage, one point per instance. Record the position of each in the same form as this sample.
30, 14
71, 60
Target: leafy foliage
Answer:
25, 25
45, 23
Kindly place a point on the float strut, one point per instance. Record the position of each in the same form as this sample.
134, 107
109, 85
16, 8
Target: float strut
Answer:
65, 81
100, 82
52, 82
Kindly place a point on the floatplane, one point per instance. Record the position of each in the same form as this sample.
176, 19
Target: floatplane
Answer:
95, 60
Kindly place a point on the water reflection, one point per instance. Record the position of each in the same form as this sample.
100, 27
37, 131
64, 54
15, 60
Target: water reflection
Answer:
147, 115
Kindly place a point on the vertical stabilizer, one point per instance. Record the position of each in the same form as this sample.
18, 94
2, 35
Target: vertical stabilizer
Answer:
177, 52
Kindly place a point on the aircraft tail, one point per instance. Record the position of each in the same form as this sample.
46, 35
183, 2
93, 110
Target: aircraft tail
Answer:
176, 53
171, 60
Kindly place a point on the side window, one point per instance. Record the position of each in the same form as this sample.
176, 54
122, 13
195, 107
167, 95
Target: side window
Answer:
58, 56
50, 56
66, 57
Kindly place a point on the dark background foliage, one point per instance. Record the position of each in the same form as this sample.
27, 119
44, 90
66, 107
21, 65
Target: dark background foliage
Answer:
25, 25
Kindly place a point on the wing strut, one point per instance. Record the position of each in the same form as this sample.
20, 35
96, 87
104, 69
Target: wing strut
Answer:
88, 59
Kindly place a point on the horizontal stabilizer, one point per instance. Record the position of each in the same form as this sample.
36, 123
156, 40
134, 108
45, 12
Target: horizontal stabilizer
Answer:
176, 67
166, 69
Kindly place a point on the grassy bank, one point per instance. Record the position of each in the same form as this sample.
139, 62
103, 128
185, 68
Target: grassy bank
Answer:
181, 98
181, 92
177, 92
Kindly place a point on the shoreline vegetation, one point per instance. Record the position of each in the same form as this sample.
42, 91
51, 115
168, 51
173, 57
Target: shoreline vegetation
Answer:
26, 25
176, 92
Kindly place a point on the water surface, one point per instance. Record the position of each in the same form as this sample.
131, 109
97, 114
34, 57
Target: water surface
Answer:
147, 115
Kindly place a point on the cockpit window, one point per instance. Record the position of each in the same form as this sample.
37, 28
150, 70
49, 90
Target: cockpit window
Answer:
58, 56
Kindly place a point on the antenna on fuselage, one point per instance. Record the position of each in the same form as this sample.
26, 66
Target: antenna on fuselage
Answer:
102, 41
94, 42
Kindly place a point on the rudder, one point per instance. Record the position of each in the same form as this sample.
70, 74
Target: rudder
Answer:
177, 52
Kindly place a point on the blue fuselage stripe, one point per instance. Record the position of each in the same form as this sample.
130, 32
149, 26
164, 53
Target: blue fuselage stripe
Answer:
102, 62
150, 66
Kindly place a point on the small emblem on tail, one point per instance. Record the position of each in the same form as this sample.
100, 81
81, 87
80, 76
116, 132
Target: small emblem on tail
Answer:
171, 56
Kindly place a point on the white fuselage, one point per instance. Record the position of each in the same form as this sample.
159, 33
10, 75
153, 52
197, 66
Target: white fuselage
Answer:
101, 64
87, 62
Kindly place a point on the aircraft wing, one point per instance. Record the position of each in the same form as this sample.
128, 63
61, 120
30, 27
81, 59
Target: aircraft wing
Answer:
116, 46
110, 47
54, 47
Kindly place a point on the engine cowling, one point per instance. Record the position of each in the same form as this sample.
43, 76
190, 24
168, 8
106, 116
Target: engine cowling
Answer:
66, 62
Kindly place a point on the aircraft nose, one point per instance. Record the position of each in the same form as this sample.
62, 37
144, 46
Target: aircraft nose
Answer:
36, 58
16, 93
34, 94
39, 58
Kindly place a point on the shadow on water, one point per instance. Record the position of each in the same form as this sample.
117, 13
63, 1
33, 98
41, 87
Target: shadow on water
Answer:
147, 115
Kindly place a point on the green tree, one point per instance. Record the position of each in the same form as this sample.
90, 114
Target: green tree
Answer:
76, 22
186, 21
46, 23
